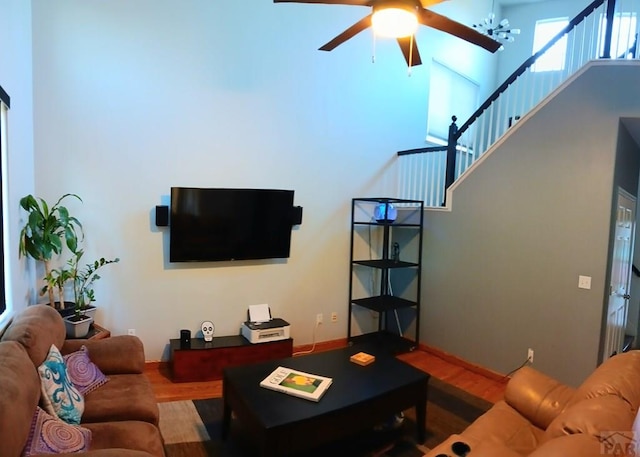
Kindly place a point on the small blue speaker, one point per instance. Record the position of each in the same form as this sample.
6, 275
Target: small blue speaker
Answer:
385, 212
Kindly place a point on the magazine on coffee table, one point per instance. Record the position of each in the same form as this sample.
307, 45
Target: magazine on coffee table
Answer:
297, 383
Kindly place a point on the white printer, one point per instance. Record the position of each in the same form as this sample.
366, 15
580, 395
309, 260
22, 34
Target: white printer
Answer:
261, 327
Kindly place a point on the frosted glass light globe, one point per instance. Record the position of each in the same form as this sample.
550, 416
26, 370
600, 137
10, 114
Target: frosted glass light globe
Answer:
394, 22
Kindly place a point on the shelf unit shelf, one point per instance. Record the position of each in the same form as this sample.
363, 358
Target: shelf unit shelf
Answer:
386, 248
382, 303
392, 342
387, 223
385, 264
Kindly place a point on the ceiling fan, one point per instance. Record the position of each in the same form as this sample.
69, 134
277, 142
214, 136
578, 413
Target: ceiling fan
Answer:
414, 10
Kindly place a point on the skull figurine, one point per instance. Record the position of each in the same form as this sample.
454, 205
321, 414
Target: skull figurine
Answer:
207, 330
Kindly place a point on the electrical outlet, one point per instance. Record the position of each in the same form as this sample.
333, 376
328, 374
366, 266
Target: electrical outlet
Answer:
131, 331
319, 318
530, 355
334, 317
584, 282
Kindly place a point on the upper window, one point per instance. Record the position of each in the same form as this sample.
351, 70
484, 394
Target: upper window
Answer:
450, 93
623, 36
554, 58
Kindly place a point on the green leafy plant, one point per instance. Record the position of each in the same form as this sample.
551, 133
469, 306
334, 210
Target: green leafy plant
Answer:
56, 280
43, 234
83, 279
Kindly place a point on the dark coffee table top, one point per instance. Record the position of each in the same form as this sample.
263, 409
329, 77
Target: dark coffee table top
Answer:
352, 383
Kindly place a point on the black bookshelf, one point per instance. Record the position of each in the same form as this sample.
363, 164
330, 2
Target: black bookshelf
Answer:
386, 248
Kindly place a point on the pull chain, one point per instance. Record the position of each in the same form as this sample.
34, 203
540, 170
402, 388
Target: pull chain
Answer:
410, 55
373, 47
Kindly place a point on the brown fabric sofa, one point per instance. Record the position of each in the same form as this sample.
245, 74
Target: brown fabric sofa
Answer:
541, 417
121, 414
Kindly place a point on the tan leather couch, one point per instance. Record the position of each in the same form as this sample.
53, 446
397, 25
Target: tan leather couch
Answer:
541, 417
121, 414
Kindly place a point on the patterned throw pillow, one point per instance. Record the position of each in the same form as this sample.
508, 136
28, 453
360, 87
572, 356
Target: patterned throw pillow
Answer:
84, 374
60, 397
49, 435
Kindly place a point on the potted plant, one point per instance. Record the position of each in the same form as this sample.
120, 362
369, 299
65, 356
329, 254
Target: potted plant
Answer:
83, 279
44, 231
77, 325
56, 280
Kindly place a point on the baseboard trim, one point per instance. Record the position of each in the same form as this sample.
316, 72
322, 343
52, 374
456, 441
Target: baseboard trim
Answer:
453, 359
321, 346
478, 369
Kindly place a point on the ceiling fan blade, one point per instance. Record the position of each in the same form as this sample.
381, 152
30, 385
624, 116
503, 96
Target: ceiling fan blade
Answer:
428, 3
330, 2
352, 31
407, 44
439, 22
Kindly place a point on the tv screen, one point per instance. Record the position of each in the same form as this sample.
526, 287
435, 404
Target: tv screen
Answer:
229, 224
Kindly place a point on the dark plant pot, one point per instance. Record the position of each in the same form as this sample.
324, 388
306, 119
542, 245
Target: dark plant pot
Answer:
77, 326
69, 308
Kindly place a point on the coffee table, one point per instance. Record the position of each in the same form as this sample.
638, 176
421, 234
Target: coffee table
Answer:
359, 398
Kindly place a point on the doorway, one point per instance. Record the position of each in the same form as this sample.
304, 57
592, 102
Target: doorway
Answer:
620, 274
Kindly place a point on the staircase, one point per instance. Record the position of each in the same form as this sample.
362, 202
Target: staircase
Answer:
595, 33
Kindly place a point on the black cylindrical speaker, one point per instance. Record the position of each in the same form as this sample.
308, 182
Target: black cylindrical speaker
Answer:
185, 339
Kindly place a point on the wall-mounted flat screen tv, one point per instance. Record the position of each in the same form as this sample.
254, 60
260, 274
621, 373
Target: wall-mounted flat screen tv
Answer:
209, 224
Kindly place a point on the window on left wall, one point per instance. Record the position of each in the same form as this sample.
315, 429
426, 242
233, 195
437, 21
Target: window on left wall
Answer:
5, 103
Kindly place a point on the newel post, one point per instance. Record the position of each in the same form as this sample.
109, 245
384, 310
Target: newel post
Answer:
451, 156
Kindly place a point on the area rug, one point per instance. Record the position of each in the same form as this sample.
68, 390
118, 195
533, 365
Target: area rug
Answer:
192, 428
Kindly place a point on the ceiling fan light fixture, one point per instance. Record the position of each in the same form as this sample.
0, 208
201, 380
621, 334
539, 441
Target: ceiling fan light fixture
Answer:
394, 19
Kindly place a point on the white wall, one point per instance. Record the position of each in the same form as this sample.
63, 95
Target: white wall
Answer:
15, 79
132, 98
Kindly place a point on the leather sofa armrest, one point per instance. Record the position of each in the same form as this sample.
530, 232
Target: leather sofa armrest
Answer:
123, 354
579, 444
536, 396
488, 448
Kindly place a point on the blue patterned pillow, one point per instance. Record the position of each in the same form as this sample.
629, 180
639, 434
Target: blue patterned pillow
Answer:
60, 397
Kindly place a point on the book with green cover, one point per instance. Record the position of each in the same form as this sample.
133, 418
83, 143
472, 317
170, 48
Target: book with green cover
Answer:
297, 383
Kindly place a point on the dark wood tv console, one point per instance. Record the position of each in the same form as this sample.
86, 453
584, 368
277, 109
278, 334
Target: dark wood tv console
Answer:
204, 361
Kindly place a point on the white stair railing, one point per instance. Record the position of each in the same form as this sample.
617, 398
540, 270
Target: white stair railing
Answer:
604, 29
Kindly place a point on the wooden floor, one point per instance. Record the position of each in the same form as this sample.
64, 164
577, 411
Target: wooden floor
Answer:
475, 380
